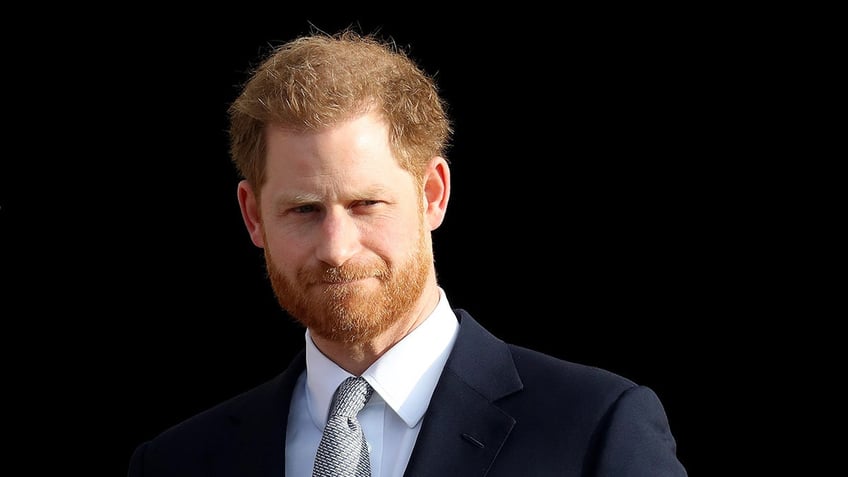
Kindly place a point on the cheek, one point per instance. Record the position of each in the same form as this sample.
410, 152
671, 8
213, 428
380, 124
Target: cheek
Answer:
395, 239
287, 251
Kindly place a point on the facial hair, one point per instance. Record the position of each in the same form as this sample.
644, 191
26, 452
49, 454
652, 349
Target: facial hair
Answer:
331, 306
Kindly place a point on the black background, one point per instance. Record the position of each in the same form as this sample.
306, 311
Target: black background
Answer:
589, 217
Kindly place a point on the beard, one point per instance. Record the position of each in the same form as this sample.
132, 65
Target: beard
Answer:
326, 301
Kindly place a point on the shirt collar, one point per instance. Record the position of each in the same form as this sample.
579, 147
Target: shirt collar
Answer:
404, 377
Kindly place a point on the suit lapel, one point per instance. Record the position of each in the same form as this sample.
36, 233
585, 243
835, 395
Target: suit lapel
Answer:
259, 428
463, 430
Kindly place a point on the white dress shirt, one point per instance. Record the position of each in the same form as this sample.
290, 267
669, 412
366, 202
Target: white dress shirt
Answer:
403, 380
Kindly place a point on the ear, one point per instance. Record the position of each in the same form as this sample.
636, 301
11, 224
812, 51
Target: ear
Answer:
249, 206
436, 191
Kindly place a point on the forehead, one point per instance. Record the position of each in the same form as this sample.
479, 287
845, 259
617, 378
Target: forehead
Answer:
350, 153
361, 138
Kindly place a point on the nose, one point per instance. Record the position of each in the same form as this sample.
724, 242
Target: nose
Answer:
339, 237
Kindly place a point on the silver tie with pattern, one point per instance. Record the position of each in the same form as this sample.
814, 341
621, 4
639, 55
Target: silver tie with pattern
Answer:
343, 451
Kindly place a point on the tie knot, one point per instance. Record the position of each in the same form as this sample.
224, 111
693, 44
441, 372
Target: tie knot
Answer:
350, 397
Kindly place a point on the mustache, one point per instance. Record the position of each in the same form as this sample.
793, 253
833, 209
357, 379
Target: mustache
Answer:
344, 273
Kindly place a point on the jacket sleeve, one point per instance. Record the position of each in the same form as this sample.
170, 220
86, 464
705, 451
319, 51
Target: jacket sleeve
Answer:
136, 462
635, 439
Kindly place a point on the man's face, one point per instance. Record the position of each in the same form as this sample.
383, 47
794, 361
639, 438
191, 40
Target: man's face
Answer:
344, 231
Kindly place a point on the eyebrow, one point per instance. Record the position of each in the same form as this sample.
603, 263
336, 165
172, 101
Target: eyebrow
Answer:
304, 198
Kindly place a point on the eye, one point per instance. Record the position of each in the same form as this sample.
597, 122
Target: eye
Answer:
305, 209
366, 206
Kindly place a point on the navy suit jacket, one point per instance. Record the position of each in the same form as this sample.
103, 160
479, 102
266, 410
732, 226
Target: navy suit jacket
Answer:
499, 410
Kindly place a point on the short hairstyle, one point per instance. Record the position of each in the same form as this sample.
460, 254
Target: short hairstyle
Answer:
314, 82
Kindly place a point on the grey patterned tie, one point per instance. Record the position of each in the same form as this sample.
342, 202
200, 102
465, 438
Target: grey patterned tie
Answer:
343, 451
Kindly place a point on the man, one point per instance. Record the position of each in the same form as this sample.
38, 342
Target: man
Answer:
341, 142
